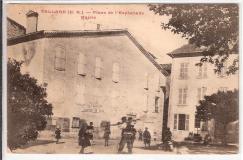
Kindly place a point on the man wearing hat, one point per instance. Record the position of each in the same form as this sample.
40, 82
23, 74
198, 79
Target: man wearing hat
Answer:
127, 137
146, 137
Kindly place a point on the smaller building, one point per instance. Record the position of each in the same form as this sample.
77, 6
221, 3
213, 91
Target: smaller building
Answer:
189, 84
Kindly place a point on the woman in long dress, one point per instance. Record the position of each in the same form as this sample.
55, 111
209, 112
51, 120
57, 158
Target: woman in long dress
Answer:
84, 140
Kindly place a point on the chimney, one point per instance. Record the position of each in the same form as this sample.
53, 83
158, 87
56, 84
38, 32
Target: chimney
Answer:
32, 21
98, 27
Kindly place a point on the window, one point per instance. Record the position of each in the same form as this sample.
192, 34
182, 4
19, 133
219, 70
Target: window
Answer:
182, 96
202, 71
184, 71
115, 72
81, 64
60, 58
181, 121
201, 92
223, 89
146, 81
156, 106
98, 67
75, 122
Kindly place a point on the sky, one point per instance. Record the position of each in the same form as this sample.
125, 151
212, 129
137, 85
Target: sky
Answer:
146, 27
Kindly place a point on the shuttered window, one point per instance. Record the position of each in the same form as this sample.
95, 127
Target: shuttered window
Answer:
60, 58
201, 92
202, 71
81, 64
181, 121
182, 96
156, 106
146, 76
184, 70
115, 72
98, 68
75, 122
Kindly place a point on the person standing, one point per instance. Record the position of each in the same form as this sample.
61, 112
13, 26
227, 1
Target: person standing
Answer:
83, 135
57, 134
107, 133
140, 135
127, 138
134, 131
146, 137
90, 130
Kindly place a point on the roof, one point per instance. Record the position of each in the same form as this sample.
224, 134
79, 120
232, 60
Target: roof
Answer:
188, 50
16, 23
84, 33
166, 67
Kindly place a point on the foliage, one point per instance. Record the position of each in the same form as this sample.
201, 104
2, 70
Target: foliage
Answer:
167, 136
27, 107
213, 27
223, 107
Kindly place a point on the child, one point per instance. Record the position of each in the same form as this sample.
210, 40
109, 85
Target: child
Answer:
107, 133
57, 134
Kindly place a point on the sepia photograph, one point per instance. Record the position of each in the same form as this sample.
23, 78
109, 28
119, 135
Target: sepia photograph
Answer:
126, 78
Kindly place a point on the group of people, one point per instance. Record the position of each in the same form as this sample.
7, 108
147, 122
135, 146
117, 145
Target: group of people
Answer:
128, 135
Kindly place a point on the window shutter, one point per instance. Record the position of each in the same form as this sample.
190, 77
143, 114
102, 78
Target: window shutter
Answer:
146, 81
184, 95
199, 71
60, 58
180, 96
156, 107
82, 64
185, 70
115, 72
187, 123
182, 71
98, 67
175, 121
205, 70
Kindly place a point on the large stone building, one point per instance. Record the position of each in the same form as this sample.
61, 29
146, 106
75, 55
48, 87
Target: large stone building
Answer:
189, 83
98, 76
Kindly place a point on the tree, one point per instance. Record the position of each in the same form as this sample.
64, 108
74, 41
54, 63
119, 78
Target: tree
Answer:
27, 107
213, 27
223, 107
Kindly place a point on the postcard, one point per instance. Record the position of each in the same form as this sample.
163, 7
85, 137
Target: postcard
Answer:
122, 78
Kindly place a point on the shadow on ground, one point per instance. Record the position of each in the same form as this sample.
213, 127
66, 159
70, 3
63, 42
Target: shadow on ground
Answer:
209, 149
38, 142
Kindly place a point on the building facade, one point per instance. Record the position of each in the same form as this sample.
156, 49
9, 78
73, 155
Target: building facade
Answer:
189, 84
97, 76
